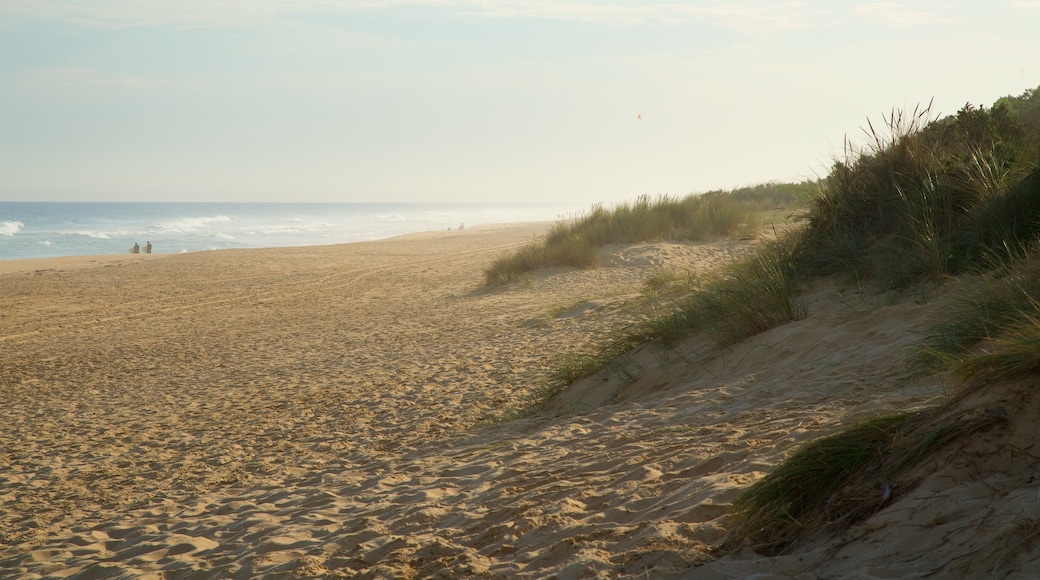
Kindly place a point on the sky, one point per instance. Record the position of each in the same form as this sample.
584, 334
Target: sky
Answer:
473, 100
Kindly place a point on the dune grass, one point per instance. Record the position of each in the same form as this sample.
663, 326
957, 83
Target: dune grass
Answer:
993, 330
740, 300
924, 200
1014, 352
835, 481
695, 217
991, 307
927, 200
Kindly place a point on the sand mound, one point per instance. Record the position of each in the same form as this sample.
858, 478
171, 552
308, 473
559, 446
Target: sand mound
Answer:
334, 411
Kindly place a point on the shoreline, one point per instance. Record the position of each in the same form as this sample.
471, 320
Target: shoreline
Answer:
39, 231
16, 265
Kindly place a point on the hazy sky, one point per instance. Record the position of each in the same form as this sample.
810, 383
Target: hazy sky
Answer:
479, 100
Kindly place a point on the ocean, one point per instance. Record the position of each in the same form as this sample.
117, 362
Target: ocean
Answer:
54, 229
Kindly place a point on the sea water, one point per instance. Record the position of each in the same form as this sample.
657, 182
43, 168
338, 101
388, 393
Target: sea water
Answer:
53, 229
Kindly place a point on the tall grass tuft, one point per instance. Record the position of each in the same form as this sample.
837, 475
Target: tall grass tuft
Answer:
838, 480
694, 217
1014, 352
999, 304
925, 198
739, 301
775, 511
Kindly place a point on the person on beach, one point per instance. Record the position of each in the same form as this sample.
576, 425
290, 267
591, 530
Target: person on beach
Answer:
135, 249
148, 247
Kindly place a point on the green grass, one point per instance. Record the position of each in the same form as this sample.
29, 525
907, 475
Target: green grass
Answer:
665, 281
926, 199
780, 507
739, 301
1014, 351
604, 357
694, 217
999, 308
923, 199
835, 481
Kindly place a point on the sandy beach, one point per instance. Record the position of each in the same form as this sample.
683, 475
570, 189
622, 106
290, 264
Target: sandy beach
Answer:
348, 411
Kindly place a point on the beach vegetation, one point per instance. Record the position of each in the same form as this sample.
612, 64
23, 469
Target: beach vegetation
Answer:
997, 310
737, 301
576, 242
838, 480
925, 198
740, 300
1015, 351
664, 281
924, 201
927, 201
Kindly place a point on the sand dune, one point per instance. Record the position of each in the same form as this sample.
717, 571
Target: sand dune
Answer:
337, 411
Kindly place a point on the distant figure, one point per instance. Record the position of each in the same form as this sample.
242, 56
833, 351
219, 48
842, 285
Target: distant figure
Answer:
135, 249
462, 227
148, 247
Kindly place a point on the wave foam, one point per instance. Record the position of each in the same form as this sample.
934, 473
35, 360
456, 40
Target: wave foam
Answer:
191, 224
89, 233
10, 228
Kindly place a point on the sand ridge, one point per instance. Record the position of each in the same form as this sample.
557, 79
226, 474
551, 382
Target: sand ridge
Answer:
333, 411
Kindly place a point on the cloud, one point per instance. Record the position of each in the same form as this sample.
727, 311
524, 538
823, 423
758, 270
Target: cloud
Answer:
736, 15
150, 13
898, 15
749, 14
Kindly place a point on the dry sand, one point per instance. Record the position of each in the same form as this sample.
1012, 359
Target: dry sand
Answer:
336, 411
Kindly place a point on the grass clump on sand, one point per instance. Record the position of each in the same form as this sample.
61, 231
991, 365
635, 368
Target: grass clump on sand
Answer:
739, 301
694, 217
838, 480
993, 330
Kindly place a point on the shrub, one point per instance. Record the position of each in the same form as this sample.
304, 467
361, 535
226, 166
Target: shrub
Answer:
925, 199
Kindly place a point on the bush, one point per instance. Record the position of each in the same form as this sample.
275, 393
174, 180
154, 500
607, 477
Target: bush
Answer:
926, 199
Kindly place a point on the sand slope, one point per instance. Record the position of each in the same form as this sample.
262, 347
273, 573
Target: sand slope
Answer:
334, 411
